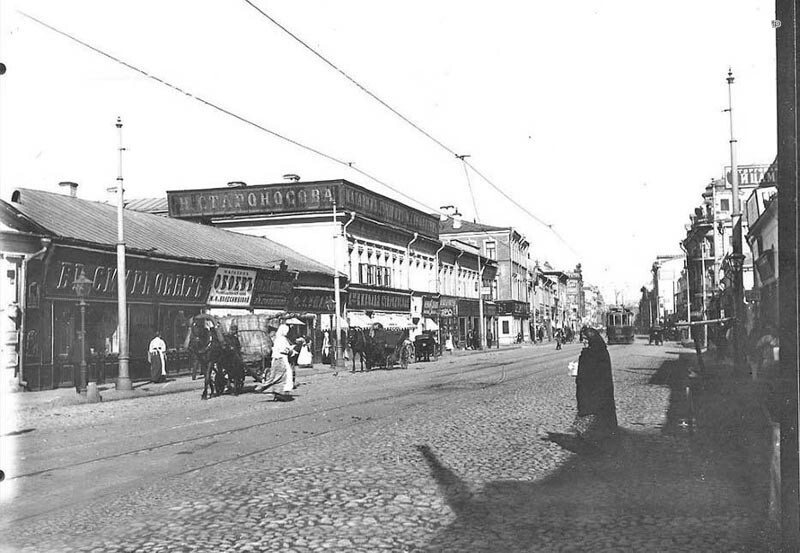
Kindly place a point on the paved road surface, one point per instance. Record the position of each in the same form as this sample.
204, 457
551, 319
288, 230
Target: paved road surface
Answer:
445, 456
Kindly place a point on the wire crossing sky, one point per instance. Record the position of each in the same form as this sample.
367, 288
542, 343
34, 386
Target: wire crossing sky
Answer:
604, 120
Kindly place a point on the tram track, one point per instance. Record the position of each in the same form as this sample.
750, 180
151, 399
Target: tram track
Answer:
445, 374
419, 392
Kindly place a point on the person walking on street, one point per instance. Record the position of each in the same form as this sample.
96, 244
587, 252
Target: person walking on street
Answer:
596, 419
559, 338
280, 371
157, 351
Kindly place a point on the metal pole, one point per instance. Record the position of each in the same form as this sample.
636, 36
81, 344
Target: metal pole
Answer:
482, 323
83, 349
736, 221
336, 296
703, 276
123, 379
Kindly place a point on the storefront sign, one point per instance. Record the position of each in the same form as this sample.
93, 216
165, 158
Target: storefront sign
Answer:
448, 307
430, 306
378, 300
489, 309
314, 300
517, 309
147, 279
232, 287
284, 198
764, 175
273, 289
370, 204
296, 198
468, 308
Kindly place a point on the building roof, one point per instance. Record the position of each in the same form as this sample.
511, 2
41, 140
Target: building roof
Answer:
148, 205
446, 227
73, 218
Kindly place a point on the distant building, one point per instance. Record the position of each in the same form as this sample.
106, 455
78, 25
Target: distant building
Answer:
761, 214
509, 249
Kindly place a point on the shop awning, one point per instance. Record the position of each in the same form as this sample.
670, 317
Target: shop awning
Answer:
430, 324
393, 320
358, 319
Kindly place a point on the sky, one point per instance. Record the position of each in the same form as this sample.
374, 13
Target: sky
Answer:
602, 119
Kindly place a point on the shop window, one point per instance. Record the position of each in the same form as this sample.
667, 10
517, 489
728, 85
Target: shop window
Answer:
506, 329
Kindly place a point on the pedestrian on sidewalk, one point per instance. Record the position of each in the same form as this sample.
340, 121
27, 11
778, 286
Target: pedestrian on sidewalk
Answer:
158, 359
559, 338
594, 390
448, 343
280, 371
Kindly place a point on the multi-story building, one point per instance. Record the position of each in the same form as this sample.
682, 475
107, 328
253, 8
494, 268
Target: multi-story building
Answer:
509, 249
401, 274
666, 271
560, 316
575, 299
595, 306
761, 214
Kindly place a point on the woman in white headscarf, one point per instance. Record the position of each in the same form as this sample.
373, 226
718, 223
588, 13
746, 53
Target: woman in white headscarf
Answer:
280, 369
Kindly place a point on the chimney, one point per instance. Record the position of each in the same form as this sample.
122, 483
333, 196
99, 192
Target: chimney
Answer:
73, 188
456, 220
292, 177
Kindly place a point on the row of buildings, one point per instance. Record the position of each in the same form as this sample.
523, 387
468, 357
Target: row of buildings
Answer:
697, 284
277, 248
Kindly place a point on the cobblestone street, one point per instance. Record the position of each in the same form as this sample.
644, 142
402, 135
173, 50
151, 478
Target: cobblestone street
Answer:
444, 456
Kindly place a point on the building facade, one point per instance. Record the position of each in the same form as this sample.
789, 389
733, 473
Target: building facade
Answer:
400, 273
174, 270
509, 249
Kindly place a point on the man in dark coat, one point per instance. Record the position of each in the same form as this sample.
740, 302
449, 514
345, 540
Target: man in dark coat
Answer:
597, 413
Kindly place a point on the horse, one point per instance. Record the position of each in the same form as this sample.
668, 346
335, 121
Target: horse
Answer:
206, 347
357, 340
232, 364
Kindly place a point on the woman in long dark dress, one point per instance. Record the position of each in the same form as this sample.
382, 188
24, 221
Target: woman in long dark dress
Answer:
597, 412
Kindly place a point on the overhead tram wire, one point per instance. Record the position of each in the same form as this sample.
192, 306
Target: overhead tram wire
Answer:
225, 111
229, 113
406, 119
348, 164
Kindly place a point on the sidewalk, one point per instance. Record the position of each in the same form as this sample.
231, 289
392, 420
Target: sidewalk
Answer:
59, 397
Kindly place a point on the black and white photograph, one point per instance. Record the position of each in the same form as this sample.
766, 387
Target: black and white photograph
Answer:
355, 276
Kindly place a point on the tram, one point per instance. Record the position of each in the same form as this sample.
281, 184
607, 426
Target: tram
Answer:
619, 325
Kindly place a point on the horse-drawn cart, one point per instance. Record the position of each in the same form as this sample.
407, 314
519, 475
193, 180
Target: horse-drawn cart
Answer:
381, 347
425, 347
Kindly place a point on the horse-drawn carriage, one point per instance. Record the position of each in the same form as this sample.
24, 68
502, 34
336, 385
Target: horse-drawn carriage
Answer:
425, 347
380, 347
216, 354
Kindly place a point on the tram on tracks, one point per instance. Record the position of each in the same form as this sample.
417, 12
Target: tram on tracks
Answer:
619, 325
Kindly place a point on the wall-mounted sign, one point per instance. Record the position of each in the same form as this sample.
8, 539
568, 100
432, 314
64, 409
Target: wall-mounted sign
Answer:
299, 198
448, 307
513, 307
314, 300
146, 279
754, 175
232, 287
430, 306
273, 289
361, 299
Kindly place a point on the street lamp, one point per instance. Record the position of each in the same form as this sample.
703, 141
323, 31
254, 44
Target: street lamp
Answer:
82, 287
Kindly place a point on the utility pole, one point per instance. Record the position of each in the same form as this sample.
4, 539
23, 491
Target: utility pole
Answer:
123, 378
336, 296
737, 258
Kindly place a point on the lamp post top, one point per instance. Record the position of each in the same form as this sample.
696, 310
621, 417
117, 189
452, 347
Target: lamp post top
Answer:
81, 285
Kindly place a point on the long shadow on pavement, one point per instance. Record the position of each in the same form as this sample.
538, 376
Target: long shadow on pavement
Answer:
657, 490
